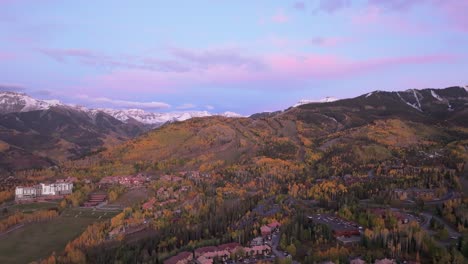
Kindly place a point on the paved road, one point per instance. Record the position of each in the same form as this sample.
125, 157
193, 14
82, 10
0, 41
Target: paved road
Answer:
274, 247
449, 196
427, 218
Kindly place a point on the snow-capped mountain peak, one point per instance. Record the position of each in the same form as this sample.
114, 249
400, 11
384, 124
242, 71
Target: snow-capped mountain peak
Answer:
11, 102
327, 99
231, 114
19, 102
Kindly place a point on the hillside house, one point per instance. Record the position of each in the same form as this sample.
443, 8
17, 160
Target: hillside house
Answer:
385, 261
95, 199
22, 192
204, 250
262, 250
340, 227
357, 261
181, 258
149, 204
128, 180
258, 241
265, 231
58, 188
348, 241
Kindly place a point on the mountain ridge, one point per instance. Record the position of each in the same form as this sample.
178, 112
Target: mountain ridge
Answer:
12, 102
343, 136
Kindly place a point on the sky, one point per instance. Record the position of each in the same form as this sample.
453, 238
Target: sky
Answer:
218, 55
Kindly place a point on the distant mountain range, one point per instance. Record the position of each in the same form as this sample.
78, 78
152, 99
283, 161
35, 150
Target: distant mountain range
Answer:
11, 102
41, 133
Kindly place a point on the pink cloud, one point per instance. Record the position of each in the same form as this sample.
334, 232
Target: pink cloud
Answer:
456, 12
374, 17
7, 56
453, 11
280, 18
278, 70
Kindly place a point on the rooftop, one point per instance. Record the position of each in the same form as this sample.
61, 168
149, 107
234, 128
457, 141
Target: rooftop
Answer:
334, 222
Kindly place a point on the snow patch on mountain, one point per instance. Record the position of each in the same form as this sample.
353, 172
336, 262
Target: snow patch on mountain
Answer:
327, 99
417, 100
11, 102
408, 103
436, 96
231, 114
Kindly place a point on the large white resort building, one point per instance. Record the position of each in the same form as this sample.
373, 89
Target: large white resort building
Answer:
43, 189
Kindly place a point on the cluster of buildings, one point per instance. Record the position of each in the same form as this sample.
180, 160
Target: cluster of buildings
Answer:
128, 181
345, 232
206, 255
44, 191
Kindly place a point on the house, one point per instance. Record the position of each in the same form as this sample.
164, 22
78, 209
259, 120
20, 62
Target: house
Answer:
339, 226
349, 240
274, 226
171, 178
128, 180
204, 250
385, 261
357, 261
44, 190
149, 204
95, 199
258, 250
69, 179
116, 231
58, 188
27, 192
257, 241
181, 258
204, 260
229, 246
265, 231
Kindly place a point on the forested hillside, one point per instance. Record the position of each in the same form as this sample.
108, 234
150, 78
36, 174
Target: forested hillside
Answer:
369, 133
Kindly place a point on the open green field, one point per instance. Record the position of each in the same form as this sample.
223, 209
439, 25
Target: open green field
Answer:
39, 240
29, 207
132, 197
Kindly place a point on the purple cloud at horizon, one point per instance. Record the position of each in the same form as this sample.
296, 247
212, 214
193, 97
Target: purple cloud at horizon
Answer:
278, 69
299, 5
